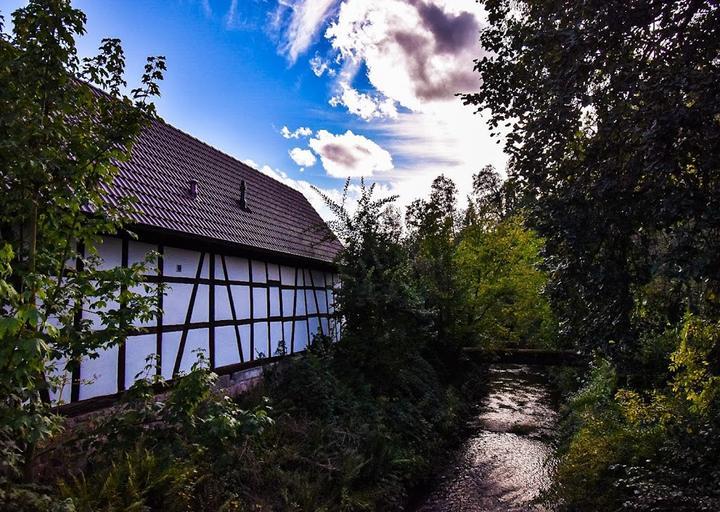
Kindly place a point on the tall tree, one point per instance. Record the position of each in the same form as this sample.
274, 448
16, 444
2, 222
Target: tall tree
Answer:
432, 229
500, 286
614, 131
60, 141
377, 304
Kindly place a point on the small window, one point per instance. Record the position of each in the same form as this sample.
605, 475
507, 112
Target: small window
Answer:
178, 268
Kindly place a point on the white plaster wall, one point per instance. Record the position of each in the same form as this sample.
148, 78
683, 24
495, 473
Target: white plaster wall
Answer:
287, 275
222, 304
260, 303
310, 301
273, 271
137, 350
262, 346
99, 376
301, 335
276, 335
197, 339
145, 290
175, 303
287, 334
288, 301
274, 301
226, 349
300, 303
187, 260
258, 272
201, 308
322, 301
317, 278
267, 337
138, 251
330, 298
314, 324
170, 344
238, 269
110, 250
241, 299
245, 341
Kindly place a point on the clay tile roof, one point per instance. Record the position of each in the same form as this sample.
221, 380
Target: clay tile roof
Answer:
278, 218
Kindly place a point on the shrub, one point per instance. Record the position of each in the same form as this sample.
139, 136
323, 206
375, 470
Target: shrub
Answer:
648, 450
137, 480
603, 439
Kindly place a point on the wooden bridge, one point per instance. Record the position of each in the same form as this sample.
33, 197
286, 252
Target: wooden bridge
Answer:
526, 356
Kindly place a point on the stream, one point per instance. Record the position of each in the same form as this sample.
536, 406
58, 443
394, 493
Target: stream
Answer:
507, 461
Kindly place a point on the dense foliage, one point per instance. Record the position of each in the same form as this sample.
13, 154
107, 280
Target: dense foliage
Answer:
478, 268
611, 117
353, 425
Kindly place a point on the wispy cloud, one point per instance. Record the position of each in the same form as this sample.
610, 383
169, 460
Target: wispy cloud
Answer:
363, 105
305, 21
231, 14
321, 66
207, 10
315, 199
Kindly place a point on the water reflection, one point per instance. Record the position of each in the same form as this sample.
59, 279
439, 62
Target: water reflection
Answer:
507, 462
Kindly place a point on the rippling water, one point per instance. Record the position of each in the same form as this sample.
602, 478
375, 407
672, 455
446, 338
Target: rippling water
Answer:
507, 462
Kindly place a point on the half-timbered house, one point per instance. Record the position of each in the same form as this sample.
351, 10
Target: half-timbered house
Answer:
246, 262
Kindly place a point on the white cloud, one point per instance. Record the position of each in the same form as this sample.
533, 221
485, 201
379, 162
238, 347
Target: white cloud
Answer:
306, 18
349, 154
415, 52
320, 66
418, 54
296, 134
451, 141
303, 157
363, 105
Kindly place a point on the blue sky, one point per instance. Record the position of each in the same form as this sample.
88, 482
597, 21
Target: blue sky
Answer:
369, 83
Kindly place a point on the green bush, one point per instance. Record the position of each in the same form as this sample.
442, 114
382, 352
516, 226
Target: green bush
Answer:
342, 441
138, 480
602, 440
32, 498
648, 450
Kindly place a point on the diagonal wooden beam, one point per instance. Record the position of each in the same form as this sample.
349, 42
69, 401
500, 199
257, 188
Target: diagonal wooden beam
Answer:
232, 308
188, 316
